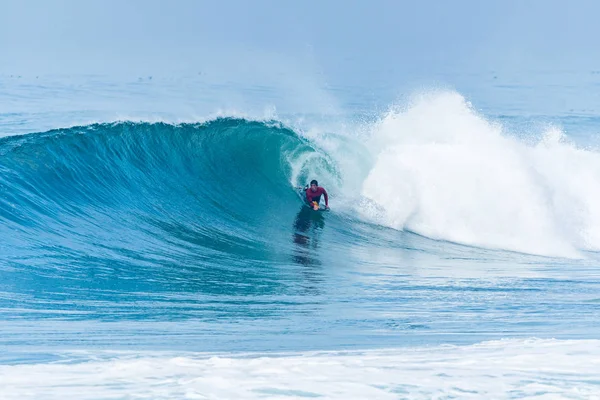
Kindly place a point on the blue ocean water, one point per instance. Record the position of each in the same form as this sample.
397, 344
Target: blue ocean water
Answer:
153, 221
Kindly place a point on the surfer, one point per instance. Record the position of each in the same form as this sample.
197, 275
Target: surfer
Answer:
313, 195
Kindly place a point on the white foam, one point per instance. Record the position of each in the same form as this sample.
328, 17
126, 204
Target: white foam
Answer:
540, 369
444, 171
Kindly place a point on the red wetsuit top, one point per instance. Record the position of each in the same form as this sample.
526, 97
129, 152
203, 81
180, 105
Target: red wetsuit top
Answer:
316, 195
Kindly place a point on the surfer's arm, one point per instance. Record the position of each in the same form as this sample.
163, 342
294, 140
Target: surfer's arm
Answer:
326, 198
308, 197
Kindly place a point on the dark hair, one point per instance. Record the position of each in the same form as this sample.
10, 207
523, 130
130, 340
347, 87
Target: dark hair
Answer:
314, 181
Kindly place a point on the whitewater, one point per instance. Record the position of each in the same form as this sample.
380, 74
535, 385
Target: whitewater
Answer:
151, 249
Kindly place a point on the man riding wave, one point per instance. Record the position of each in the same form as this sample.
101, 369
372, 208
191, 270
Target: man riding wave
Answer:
314, 193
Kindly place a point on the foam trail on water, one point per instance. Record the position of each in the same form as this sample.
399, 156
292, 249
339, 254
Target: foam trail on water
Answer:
442, 170
516, 368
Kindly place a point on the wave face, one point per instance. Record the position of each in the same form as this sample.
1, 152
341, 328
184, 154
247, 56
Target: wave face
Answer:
106, 206
142, 189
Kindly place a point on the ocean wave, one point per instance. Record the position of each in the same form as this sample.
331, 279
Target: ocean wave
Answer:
434, 167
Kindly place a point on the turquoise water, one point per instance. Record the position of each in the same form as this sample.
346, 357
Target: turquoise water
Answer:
151, 218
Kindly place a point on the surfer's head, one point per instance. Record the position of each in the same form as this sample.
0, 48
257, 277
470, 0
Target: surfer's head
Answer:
314, 185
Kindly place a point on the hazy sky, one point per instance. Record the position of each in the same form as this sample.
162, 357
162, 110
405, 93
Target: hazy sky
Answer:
344, 41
